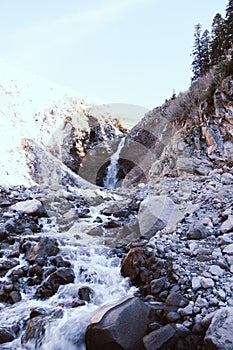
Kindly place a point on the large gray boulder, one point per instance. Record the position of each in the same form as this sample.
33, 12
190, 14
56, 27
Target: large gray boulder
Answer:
120, 326
219, 335
31, 207
157, 212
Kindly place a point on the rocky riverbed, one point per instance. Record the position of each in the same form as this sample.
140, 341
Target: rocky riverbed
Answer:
145, 264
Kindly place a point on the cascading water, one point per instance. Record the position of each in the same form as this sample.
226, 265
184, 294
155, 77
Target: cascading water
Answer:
110, 180
95, 267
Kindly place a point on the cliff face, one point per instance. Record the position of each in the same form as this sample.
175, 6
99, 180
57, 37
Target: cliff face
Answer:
192, 133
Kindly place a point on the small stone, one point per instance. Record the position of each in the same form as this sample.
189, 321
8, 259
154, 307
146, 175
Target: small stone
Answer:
213, 301
216, 270
228, 249
227, 225
15, 296
188, 310
157, 285
201, 302
221, 294
196, 283
207, 283
176, 299
173, 316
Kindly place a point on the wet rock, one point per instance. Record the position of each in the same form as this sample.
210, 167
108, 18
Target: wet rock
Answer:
60, 277
45, 247
31, 207
6, 265
37, 312
159, 338
58, 261
118, 326
6, 335
85, 293
219, 335
36, 328
15, 296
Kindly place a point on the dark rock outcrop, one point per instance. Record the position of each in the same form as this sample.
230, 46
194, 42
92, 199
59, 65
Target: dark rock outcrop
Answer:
119, 327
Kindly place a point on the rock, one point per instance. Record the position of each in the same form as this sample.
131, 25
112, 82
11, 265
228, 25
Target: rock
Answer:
45, 247
85, 293
216, 270
228, 249
132, 262
118, 326
15, 296
155, 213
36, 327
6, 335
158, 338
173, 316
50, 286
197, 231
6, 265
176, 300
157, 285
31, 207
188, 310
207, 282
196, 283
227, 225
219, 335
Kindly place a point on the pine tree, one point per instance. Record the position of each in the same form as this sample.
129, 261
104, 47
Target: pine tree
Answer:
218, 40
205, 52
197, 53
229, 27
201, 55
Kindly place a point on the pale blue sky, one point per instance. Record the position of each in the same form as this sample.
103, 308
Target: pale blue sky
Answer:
126, 51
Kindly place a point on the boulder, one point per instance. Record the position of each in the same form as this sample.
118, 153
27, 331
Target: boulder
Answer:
130, 266
45, 247
31, 207
6, 335
219, 335
50, 286
158, 338
119, 326
155, 213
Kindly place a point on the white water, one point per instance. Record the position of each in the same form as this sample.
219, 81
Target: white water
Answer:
110, 180
94, 267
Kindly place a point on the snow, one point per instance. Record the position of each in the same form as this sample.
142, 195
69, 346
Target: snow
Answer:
26, 111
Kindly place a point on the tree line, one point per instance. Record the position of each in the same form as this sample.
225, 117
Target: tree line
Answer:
213, 48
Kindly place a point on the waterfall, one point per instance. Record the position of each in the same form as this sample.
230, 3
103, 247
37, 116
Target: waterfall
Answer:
110, 180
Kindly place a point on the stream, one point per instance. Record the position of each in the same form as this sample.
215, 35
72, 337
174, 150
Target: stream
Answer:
95, 267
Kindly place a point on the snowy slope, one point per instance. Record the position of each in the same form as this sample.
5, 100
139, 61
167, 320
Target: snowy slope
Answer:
30, 107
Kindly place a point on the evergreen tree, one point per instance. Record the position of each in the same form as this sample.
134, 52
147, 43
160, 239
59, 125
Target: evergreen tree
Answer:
218, 40
229, 27
197, 53
205, 52
201, 55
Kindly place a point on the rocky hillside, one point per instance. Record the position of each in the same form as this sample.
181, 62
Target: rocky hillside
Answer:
144, 266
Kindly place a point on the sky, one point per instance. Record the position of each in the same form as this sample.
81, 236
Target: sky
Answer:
111, 51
